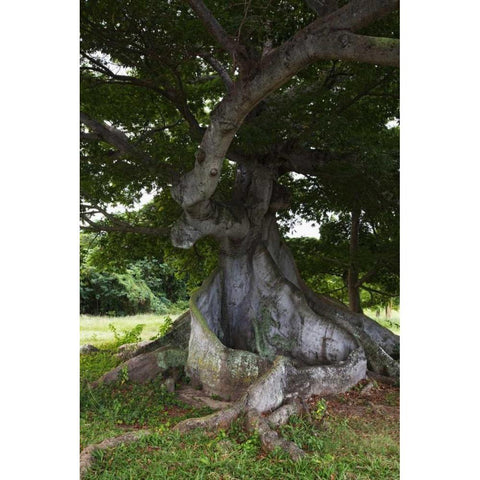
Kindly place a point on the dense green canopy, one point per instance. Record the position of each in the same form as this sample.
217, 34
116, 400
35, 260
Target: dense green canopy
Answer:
151, 74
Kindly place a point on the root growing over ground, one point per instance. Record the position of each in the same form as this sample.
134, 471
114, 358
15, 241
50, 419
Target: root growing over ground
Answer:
87, 454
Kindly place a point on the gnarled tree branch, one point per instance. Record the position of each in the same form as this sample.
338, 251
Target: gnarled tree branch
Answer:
115, 224
119, 140
360, 13
108, 133
213, 27
219, 68
114, 137
330, 37
307, 162
99, 227
176, 98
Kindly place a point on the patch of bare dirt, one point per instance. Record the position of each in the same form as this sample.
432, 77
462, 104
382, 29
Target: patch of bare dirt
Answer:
369, 400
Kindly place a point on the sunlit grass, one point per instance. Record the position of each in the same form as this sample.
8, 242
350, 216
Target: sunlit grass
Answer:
96, 330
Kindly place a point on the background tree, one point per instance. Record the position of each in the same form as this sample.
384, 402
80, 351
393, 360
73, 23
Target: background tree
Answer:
252, 92
356, 204
127, 282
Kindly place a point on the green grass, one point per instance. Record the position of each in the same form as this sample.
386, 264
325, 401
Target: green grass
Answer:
337, 452
96, 330
343, 447
110, 410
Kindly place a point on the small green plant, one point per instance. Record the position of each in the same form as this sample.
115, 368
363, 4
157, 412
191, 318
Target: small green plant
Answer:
164, 328
123, 376
127, 336
251, 445
93, 366
320, 410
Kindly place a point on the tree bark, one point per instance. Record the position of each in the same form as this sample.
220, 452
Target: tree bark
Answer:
255, 308
388, 310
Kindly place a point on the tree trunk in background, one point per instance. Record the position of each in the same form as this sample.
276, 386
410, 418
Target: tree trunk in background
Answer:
353, 274
388, 310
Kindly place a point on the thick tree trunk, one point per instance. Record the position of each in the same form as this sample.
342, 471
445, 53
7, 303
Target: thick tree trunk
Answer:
261, 307
388, 310
255, 310
258, 334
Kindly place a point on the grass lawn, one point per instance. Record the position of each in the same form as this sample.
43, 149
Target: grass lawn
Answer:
96, 330
357, 439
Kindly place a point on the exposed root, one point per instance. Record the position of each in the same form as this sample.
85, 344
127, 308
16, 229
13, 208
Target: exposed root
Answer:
379, 344
220, 420
281, 415
269, 438
254, 422
86, 456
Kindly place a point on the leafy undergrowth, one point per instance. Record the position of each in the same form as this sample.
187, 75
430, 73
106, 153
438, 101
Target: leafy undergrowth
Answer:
111, 410
354, 436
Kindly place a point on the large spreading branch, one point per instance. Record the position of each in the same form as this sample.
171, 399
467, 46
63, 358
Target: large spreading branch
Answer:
174, 96
115, 224
100, 227
331, 37
322, 7
307, 162
367, 91
219, 68
287, 158
358, 14
119, 140
225, 41
112, 136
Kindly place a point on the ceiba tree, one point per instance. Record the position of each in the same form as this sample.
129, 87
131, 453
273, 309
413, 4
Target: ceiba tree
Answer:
207, 75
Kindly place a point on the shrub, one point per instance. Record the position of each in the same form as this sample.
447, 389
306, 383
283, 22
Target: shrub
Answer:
160, 278
104, 293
